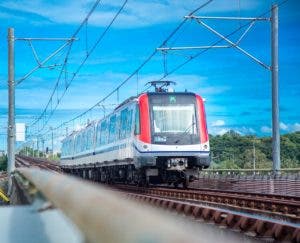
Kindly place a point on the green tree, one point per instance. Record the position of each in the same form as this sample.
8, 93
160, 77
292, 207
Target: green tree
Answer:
234, 150
3, 163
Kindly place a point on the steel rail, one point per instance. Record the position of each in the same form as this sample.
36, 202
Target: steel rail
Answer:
106, 216
288, 208
34, 162
258, 226
37, 162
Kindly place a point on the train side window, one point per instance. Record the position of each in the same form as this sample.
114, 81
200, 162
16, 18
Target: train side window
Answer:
118, 128
91, 137
98, 132
70, 147
103, 137
66, 148
82, 141
112, 129
123, 123
137, 129
88, 139
63, 149
129, 123
78, 143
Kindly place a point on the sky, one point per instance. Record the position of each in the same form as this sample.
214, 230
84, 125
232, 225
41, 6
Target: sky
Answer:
237, 90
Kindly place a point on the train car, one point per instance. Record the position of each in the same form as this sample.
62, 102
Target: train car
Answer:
156, 137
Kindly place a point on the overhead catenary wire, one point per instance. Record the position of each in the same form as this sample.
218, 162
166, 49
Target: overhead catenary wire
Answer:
150, 57
136, 71
215, 43
66, 59
76, 72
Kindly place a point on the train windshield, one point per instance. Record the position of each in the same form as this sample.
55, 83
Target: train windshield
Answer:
174, 119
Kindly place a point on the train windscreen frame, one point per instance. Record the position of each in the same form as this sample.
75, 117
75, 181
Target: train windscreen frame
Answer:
174, 119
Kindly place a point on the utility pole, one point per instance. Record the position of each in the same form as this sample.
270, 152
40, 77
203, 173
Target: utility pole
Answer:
43, 147
52, 142
38, 146
273, 67
275, 106
11, 108
254, 165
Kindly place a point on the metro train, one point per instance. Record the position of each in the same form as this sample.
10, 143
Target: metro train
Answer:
154, 138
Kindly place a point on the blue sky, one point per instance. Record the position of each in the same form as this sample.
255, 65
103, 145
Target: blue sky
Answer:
237, 90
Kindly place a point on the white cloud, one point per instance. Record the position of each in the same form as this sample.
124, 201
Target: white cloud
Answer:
222, 131
295, 127
245, 130
218, 123
289, 127
137, 13
265, 129
283, 126
216, 130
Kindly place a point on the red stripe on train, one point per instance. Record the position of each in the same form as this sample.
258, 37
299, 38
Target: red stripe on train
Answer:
202, 120
145, 135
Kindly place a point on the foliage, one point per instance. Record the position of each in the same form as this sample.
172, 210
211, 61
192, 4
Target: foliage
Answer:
234, 151
3, 163
35, 153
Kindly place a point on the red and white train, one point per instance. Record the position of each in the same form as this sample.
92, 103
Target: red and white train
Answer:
157, 137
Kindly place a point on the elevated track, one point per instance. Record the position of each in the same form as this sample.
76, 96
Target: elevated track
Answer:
261, 215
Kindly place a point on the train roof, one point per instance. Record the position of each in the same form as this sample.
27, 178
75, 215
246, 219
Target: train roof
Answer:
170, 93
130, 99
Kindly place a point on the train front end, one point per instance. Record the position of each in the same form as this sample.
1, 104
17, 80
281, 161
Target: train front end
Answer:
171, 140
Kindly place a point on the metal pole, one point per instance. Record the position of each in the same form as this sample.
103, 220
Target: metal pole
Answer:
38, 146
11, 108
43, 147
254, 162
52, 142
275, 107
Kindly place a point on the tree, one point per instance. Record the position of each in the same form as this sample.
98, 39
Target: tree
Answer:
3, 163
233, 150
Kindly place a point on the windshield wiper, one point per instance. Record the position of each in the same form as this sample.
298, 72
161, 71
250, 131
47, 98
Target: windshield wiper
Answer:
185, 132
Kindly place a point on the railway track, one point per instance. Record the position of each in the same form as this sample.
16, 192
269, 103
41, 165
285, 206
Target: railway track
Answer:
284, 184
24, 161
279, 205
249, 214
275, 205
267, 216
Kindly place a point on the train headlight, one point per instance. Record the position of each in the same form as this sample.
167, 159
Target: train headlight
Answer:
205, 146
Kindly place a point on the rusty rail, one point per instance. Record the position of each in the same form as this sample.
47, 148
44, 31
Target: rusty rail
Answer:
287, 207
258, 226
